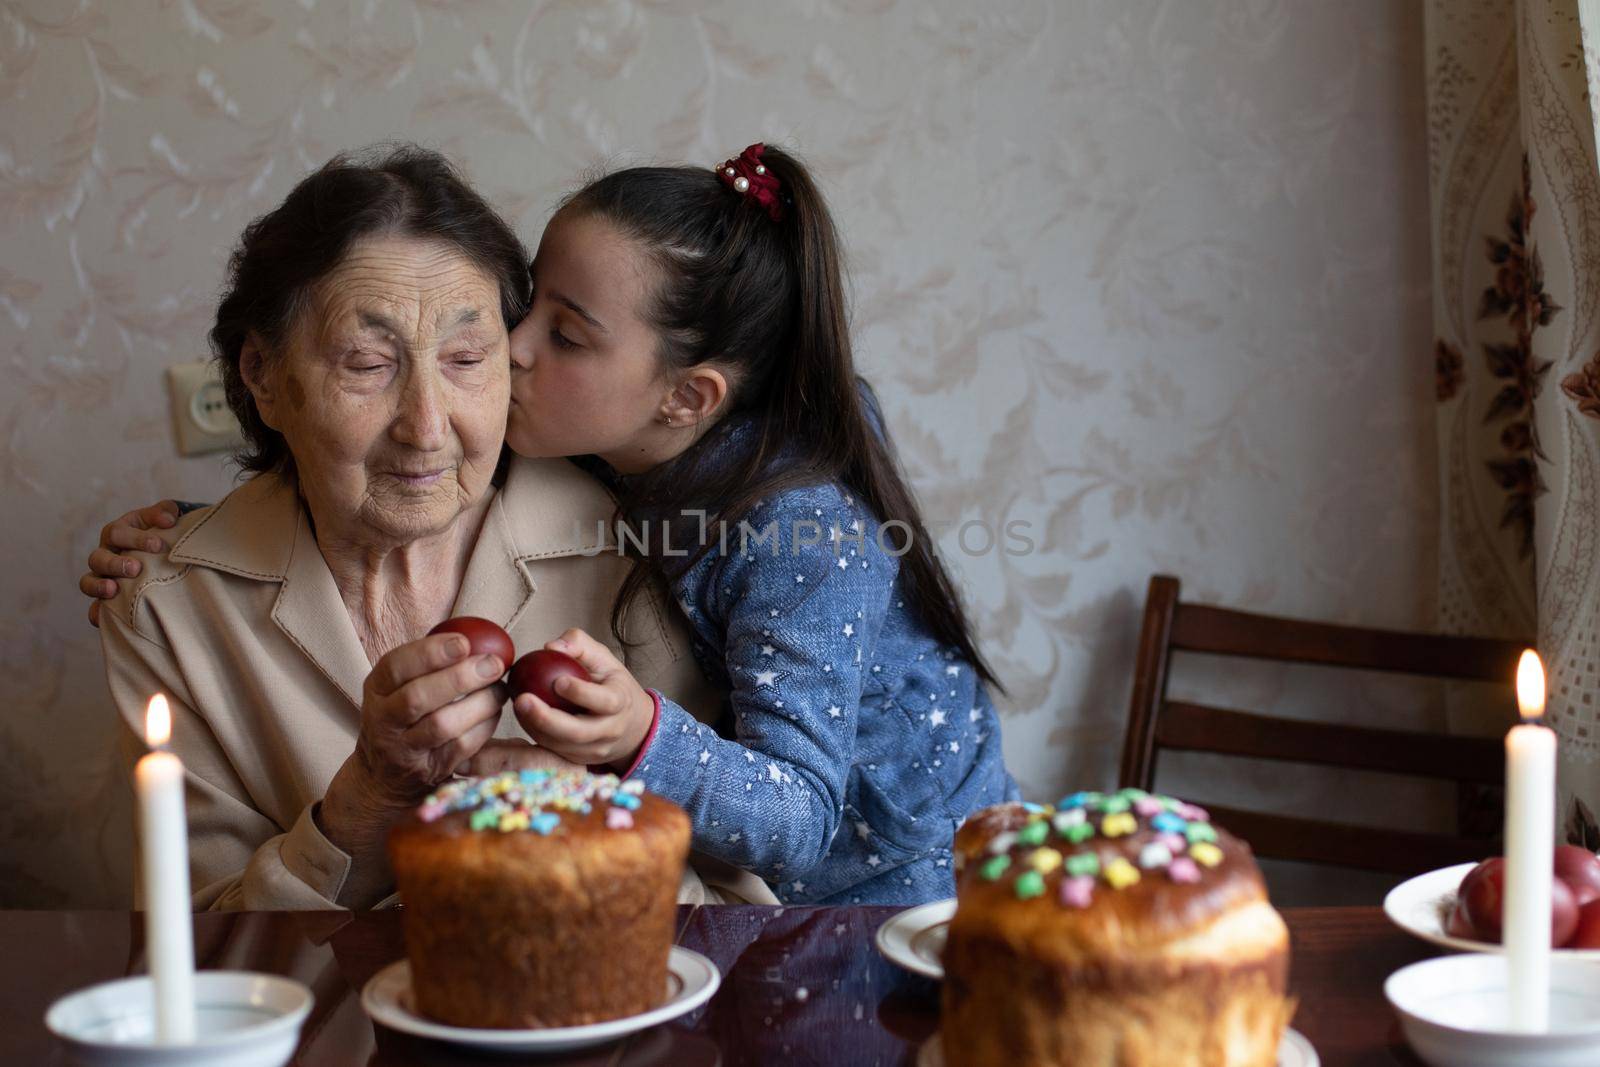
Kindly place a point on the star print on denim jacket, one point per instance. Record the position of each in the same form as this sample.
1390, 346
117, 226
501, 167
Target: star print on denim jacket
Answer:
860, 743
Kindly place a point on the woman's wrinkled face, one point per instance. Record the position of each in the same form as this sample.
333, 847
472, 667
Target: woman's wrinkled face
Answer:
392, 390
586, 374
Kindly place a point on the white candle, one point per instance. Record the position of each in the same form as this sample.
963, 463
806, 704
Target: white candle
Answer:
164, 859
1530, 847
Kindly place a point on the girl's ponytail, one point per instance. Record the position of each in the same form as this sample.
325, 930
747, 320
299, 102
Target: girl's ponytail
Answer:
815, 382
828, 396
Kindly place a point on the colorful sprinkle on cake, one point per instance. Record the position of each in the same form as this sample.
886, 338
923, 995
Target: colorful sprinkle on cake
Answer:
534, 800
1094, 841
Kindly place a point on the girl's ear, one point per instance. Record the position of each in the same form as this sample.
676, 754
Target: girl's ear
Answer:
253, 369
698, 398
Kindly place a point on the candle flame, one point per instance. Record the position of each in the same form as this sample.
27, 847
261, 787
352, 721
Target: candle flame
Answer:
1530, 685
158, 722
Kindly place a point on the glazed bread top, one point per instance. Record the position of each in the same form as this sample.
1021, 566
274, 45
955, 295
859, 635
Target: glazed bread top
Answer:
540, 809
1123, 875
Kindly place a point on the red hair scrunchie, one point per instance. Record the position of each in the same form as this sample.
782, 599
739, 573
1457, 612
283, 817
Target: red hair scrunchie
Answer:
748, 176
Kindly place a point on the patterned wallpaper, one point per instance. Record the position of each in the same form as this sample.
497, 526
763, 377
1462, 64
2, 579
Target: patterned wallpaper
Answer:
1150, 277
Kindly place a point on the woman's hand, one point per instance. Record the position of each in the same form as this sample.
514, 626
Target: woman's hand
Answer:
619, 710
131, 531
427, 707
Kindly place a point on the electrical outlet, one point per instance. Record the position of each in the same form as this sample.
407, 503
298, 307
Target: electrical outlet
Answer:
200, 409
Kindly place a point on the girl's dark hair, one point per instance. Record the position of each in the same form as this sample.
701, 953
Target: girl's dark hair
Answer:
397, 190
766, 300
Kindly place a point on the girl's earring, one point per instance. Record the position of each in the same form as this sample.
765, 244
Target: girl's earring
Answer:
667, 419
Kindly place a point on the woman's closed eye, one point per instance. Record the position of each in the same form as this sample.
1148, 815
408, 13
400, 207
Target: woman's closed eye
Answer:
366, 364
561, 340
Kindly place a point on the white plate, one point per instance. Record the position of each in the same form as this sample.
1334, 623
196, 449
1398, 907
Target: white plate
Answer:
691, 979
914, 939
1293, 1051
1421, 905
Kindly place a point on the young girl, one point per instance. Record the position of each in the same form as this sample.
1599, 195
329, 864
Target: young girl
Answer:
688, 339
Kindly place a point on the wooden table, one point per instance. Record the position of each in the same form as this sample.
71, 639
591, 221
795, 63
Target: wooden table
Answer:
800, 985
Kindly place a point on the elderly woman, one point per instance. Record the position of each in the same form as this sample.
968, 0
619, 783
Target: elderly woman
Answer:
363, 345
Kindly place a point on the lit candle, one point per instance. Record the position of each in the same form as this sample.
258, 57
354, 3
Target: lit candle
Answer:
164, 858
1530, 847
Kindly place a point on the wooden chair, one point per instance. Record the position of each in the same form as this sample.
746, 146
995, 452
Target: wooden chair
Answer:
1156, 723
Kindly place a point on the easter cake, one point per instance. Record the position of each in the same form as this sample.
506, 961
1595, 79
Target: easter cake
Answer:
1111, 929
536, 898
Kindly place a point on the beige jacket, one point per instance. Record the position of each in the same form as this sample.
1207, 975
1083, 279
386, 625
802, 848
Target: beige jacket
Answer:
241, 626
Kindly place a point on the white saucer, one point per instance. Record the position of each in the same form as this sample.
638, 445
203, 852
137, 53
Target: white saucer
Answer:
691, 980
1293, 1051
914, 938
1421, 905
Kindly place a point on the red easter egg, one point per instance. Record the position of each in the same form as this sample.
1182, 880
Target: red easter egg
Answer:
1563, 914
1483, 900
1482, 896
1458, 925
536, 673
484, 638
1493, 863
1588, 932
1580, 869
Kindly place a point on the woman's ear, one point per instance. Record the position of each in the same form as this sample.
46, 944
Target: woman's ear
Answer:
253, 369
698, 398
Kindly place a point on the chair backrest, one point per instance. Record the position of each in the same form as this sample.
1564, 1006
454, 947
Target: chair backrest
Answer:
1156, 723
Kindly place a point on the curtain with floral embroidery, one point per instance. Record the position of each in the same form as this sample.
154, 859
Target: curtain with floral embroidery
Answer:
1516, 305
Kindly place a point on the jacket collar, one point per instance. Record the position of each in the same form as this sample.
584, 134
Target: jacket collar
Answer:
249, 533
547, 508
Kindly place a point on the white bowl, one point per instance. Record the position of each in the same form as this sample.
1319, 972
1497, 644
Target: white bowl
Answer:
241, 1020
1455, 1013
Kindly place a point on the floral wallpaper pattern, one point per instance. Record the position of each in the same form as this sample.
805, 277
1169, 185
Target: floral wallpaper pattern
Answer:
1518, 296
1146, 275
1511, 122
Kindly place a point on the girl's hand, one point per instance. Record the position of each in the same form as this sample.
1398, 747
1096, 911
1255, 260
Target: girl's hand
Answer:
131, 531
619, 710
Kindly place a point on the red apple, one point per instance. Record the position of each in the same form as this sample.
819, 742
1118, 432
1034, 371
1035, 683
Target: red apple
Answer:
1588, 933
536, 673
1580, 869
484, 638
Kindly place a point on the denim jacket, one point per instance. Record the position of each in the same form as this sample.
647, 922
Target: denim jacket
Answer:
859, 744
